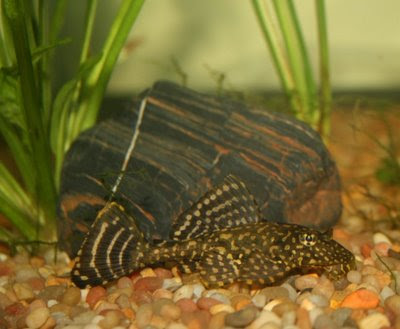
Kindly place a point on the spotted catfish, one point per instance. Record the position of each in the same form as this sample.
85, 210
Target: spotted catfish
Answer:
221, 237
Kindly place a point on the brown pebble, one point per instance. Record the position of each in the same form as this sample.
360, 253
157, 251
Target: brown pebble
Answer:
123, 301
52, 292
240, 301
241, 318
94, 295
186, 305
72, 296
37, 317
205, 303
4, 301
49, 324
148, 284
306, 281
303, 320
111, 319
163, 273
284, 307
141, 297
60, 307
162, 293
37, 284
217, 321
23, 290
196, 320
37, 261
125, 282
144, 315
393, 304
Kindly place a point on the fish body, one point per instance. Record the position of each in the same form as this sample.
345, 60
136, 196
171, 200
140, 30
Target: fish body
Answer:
221, 237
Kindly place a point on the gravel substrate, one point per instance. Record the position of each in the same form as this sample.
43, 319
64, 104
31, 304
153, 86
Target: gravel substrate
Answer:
37, 293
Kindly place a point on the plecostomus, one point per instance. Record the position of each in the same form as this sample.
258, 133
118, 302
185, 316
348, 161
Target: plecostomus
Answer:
221, 237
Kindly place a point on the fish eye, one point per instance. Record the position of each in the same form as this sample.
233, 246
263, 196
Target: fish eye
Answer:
308, 239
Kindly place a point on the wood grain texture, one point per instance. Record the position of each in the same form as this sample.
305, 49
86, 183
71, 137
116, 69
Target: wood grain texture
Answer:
188, 143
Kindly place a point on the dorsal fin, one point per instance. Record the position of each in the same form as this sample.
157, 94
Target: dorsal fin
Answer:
229, 204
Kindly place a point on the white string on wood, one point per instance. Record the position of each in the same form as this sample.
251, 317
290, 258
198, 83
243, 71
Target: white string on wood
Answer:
131, 147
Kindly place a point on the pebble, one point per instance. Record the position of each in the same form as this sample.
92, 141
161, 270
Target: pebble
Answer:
319, 300
94, 295
323, 321
172, 284
221, 308
25, 272
125, 282
72, 296
217, 321
282, 308
306, 281
380, 237
37, 317
196, 320
274, 293
374, 320
149, 283
340, 315
23, 291
324, 287
111, 319
386, 292
292, 292
205, 303
186, 305
264, 318
144, 315
393, 304
185, 291
361, 299
354, 276
241, 318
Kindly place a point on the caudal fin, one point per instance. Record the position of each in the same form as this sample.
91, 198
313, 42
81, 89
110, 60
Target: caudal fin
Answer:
106, 252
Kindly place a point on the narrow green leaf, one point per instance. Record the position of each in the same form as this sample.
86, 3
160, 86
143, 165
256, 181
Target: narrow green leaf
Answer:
300, 67
325, 81
45, 190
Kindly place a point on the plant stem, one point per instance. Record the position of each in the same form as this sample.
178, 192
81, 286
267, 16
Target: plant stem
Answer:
326, 93
39, 146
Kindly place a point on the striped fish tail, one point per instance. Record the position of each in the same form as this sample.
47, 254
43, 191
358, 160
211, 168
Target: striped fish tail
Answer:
108, 249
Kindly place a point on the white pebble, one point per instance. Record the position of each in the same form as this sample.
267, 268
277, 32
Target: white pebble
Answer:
380, 237
291, 290
263, 318
375, 320
97, 318
183, 292
386, 292
354, 276
172, 284
198, 289
221, 308
51, 302
259, 300
314, 313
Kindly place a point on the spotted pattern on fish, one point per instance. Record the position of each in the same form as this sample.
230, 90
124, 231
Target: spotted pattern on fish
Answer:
221, 237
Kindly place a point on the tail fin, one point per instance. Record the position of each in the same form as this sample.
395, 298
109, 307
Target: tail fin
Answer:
106, 252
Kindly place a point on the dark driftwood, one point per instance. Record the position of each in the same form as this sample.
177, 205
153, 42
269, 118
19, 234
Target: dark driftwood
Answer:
189, 142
